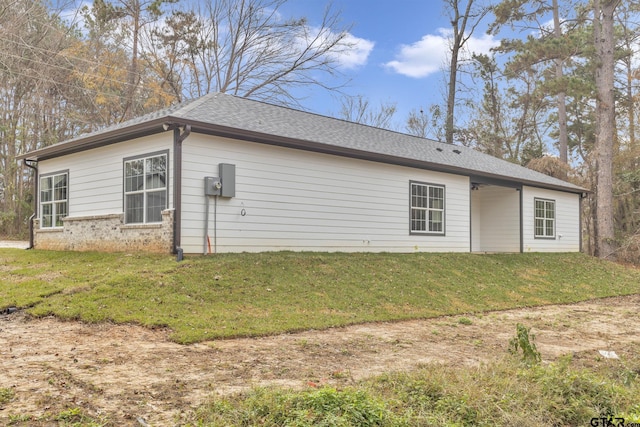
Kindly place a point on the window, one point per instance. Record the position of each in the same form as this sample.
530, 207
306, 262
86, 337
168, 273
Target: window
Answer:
145, 189
427, 208
54, 193
545, 218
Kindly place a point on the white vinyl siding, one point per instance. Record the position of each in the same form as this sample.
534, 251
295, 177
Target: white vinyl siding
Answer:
298, 200
96, 177
289, 199
567, 221
54, 194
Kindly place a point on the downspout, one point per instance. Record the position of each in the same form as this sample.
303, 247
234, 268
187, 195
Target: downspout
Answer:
179, 135
33, 166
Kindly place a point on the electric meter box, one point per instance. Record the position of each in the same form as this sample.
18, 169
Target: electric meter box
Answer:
212, 186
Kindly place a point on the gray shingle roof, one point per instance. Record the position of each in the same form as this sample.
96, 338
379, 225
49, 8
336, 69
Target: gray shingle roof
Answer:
233, 116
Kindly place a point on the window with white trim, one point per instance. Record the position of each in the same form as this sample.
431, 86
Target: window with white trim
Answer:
427, 208
54, 199
545, 218
145, 189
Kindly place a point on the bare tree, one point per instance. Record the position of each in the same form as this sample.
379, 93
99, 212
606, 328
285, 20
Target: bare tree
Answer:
464, 20
425, 125
243, 47
134, 15
30, 101
561, 98
603, 32
627, 23
358, 109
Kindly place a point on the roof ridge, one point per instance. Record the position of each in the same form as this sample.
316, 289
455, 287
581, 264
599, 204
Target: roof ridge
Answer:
325, 116
191, 104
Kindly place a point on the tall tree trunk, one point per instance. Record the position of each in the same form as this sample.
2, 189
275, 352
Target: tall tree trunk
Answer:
631, 111
132, 75
629, 38
605, 125
451, 97
459, 24
562, 108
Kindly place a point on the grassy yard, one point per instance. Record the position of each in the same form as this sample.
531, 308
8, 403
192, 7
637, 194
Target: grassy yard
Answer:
257, 294
234, 295
502, 393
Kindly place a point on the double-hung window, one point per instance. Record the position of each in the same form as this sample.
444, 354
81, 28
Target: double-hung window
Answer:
145, 188
427, 208
545, 218
54, 199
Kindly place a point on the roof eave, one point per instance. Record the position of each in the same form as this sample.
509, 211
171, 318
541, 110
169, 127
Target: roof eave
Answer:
156, 126
94, 141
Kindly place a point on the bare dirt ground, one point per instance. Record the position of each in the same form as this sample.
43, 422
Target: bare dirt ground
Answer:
136, 376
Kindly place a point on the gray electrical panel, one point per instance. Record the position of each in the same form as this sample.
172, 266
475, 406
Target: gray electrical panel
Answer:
225, 186
228, 179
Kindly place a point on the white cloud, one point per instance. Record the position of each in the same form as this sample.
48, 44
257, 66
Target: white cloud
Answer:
421, 58
357, 55
352, 52
427, 56
481, 45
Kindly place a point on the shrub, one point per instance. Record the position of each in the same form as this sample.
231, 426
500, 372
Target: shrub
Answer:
6, 395
524, 341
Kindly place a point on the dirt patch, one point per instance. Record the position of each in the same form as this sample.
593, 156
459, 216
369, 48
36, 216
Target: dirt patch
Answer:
127, 372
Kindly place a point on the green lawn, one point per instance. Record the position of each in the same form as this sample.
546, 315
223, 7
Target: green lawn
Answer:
502, 393
257, 294
232, 295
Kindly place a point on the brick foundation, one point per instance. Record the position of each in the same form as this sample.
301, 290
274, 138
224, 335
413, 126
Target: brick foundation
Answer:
107, 233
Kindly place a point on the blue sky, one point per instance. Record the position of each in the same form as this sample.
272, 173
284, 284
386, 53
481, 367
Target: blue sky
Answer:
402, 52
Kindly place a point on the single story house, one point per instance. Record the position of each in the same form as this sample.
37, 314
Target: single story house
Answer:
228, 174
